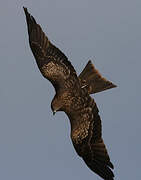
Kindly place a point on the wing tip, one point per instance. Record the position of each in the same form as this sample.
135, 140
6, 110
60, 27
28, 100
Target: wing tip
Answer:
111, 165
102, 170
29, 16
25, 10
31, 22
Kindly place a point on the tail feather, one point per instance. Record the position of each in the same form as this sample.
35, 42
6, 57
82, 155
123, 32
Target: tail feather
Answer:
93, 80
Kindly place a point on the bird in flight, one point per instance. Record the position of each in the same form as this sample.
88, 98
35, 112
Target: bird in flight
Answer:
73, 97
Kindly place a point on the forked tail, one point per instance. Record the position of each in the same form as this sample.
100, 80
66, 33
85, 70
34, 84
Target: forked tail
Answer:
92, 80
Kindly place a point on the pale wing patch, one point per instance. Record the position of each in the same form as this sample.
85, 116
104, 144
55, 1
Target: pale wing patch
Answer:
80, 133
82, 130
55, 71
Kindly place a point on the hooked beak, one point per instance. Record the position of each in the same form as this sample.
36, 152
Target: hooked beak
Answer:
54, 112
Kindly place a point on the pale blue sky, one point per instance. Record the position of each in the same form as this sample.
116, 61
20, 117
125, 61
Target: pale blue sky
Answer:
34, 144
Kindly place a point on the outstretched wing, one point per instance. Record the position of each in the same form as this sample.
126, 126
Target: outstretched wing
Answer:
52, 63
87, 138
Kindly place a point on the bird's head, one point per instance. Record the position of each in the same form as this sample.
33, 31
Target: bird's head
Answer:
56, 105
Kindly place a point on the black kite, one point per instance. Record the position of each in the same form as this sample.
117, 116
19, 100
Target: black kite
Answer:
73, 97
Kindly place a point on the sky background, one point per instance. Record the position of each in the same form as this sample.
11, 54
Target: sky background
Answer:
34, 144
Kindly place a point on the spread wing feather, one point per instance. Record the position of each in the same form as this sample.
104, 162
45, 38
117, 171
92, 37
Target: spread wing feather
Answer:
87, 139
48, 57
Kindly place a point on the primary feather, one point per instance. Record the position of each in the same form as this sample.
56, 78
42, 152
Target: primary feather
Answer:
72, 97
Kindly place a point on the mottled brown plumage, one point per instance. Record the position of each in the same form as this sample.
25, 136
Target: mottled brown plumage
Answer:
73, 97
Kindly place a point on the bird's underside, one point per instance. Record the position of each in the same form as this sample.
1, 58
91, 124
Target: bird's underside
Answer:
73, 97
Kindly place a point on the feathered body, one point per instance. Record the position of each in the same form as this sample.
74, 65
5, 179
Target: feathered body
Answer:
73, 97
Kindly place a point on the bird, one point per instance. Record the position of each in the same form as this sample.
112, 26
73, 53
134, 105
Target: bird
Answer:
73, 96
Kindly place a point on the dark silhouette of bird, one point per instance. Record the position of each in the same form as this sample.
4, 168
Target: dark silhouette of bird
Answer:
73, 97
